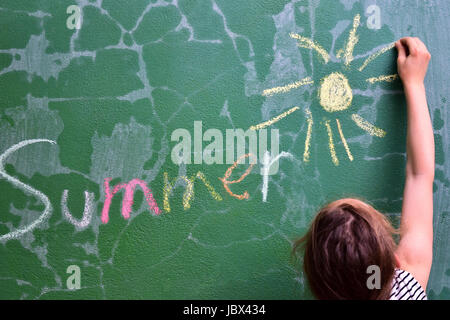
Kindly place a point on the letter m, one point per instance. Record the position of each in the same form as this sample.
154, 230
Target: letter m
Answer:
188, 194
127, 201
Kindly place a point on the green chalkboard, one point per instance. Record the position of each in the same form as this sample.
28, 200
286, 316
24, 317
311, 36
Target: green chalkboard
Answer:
102, 98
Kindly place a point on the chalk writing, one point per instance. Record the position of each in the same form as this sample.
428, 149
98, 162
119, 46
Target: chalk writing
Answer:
87, 212
270, 160
128, 197
17, 183
235, 143
226, 182
267, 162
189, 190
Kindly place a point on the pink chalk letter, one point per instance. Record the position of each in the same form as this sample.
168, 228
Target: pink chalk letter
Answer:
127, 202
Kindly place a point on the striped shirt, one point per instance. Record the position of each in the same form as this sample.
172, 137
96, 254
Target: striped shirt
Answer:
406, 287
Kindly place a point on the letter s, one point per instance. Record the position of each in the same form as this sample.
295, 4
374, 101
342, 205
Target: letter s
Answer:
48, 206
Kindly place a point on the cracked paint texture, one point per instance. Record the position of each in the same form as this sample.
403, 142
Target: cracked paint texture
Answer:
111, 93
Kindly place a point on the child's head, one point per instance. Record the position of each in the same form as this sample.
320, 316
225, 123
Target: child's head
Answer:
345, 238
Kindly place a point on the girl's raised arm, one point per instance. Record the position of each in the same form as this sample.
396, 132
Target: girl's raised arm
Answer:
415, 250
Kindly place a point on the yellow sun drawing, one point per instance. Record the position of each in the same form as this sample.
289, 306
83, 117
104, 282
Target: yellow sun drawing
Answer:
335, 94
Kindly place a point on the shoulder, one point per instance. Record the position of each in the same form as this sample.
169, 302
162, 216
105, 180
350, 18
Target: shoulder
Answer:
406, 287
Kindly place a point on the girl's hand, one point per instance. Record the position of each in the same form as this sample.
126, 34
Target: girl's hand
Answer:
412, 62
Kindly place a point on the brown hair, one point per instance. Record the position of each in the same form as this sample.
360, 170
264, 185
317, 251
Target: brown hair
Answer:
345, 238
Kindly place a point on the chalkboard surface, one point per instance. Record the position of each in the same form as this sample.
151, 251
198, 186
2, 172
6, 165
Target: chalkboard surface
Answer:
111, 186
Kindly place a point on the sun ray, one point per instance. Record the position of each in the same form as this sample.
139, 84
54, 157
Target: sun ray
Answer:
367, 126
376, 55
352, 40
284, 89
310, 44
385, 78
347, 149
331, 144
273, 120
309, 119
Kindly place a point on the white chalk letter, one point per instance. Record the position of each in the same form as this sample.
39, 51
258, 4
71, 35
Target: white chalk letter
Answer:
267, 162
274, 148
87, 212
17, 183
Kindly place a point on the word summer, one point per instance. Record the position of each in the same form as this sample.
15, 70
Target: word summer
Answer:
213, 153
268, 160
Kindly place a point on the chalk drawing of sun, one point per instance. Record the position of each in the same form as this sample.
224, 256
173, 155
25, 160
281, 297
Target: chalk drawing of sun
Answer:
334, 94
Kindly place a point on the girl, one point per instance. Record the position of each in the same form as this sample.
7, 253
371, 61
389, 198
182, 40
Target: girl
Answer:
349, 240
